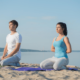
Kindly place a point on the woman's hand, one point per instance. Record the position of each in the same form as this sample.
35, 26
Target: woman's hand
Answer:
68, 45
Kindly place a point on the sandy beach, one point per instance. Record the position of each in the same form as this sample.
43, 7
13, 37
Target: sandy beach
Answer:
8, 74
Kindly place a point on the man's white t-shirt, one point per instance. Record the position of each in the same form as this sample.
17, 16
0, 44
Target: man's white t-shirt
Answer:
11, 40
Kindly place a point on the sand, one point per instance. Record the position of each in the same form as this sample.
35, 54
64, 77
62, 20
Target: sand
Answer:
8, 74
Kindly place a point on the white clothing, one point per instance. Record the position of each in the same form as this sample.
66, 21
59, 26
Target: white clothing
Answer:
11, 40
54, 63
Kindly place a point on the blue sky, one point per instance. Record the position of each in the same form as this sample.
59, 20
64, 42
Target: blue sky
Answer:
37, 21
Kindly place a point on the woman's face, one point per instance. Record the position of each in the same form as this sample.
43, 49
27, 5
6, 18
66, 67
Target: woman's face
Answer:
59, 29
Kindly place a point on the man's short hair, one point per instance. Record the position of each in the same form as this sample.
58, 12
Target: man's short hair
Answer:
14, 22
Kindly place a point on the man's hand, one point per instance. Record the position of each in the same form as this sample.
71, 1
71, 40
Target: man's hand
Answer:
2, 57
14, 51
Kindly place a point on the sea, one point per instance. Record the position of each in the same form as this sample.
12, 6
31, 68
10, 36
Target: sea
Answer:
38, 57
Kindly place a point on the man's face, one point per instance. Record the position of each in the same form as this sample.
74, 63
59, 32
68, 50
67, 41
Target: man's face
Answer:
12, 27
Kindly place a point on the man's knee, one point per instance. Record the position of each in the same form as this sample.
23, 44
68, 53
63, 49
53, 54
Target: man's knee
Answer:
3, 63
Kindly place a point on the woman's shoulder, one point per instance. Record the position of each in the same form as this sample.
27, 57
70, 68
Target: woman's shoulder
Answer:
54, 38
66, 38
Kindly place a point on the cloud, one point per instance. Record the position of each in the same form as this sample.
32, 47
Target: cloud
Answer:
48, 17
44, 17
29, 17
31, 23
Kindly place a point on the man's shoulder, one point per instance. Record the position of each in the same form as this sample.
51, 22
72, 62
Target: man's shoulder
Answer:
8, 34
18, 34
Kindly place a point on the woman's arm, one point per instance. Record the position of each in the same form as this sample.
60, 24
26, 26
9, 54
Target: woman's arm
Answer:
52, 47
68, 45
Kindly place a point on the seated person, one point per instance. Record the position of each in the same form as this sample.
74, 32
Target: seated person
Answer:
12, 54
61, 46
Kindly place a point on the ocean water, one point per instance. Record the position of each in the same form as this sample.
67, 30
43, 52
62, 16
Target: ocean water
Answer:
38, 57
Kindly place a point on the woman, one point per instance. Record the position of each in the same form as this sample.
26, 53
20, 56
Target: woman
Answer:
61, 46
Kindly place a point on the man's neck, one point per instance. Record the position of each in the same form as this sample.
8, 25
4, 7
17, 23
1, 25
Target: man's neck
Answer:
12, 32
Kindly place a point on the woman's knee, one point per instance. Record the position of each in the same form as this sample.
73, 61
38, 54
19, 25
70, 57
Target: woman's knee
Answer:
42, 65
45, 63
56, 67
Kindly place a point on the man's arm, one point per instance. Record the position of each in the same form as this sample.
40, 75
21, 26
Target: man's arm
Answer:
14, 51
5, 50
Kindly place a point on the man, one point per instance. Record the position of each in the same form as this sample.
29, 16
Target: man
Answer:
12, 47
